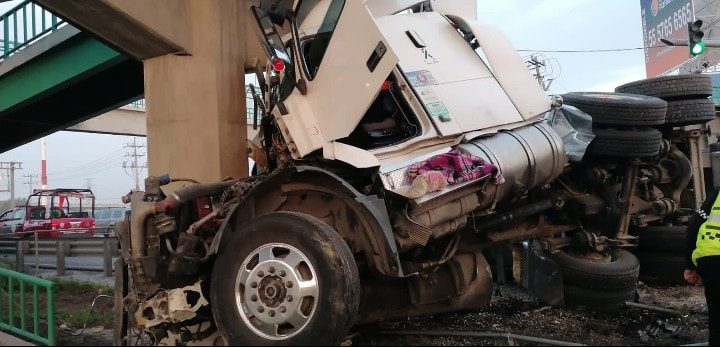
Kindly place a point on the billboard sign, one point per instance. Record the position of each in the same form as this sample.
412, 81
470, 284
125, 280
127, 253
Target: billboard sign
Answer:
663, 19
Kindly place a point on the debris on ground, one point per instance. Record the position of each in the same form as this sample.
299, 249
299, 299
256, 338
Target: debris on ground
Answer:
513, 310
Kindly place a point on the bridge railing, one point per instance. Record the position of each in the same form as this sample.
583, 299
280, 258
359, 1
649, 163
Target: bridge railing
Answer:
24, 24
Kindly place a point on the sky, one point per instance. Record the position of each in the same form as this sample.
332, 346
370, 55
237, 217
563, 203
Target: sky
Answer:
547, 25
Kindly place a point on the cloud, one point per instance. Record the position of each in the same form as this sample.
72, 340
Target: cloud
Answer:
545, 12
622, 76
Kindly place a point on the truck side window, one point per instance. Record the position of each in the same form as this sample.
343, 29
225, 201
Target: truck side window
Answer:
316, 22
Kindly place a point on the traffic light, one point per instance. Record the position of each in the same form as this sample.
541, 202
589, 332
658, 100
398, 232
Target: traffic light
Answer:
695, 38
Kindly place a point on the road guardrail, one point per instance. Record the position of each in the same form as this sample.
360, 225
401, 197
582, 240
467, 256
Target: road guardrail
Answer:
70, 244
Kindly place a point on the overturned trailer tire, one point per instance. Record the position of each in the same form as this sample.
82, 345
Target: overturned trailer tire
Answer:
601, 281
637, 143
689, 112
662, 268
687, 97
661, 250
619, 109
285, 278
671, 87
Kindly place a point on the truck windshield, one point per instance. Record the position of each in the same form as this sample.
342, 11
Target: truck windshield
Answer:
316, 22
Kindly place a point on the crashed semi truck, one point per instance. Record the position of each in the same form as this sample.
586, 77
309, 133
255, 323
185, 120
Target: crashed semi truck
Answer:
395, 146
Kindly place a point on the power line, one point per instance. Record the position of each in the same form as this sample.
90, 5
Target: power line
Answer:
599, 50
88, 164
112, 165
108, 166
586, 50
706, 6
98, 166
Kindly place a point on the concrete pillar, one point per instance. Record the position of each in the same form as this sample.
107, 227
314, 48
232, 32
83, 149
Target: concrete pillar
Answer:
196, 103
194, 54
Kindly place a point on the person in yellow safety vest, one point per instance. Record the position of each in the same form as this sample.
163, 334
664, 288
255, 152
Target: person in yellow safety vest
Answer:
703, 259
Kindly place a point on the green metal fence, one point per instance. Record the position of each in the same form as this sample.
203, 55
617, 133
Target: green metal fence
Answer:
14, 317
24, 24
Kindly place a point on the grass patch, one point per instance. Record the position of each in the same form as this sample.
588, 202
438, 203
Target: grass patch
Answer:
68, 286
7, 264
77, 317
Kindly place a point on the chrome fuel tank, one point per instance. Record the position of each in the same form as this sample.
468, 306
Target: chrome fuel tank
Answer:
527, 157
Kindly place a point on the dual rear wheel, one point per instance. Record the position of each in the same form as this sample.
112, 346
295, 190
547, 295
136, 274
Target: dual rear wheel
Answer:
599, 280
625, 123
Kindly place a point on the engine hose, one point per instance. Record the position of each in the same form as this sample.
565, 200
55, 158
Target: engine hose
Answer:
516, 214
447, 255
199, 190
508, 336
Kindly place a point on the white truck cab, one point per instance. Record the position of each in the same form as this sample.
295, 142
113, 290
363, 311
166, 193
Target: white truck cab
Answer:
399, 141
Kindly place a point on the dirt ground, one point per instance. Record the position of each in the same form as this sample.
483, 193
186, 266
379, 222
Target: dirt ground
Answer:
72, 311
511, 311
514, 311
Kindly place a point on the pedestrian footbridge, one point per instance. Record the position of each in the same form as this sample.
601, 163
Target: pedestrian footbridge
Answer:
53, 76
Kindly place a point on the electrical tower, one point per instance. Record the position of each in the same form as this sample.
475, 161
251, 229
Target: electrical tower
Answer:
32, 181
9, 168
134, 164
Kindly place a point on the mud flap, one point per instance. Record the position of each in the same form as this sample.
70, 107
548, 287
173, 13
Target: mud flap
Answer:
541, 275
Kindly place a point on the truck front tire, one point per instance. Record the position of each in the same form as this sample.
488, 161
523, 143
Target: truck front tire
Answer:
285, 278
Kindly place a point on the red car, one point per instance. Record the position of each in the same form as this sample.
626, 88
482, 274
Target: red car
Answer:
60, 212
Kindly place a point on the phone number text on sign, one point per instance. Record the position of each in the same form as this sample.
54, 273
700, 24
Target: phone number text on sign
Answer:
668, 26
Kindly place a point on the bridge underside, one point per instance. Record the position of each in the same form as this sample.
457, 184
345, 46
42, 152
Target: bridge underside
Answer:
66, 85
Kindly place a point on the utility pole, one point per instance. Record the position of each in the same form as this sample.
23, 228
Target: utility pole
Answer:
538, 67
88, 182
9, 168
43, 169
32, 181
134, 165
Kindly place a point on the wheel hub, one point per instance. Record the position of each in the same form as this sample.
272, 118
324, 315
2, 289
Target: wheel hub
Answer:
277, 291
272, 291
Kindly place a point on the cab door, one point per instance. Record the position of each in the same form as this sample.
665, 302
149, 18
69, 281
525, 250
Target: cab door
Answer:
344, 59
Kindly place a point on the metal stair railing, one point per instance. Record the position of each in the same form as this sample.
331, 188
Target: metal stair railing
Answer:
24, 24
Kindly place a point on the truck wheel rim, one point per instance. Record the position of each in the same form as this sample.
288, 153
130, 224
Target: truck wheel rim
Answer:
276, 291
